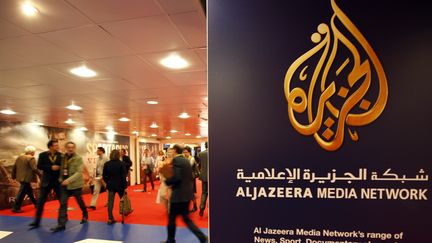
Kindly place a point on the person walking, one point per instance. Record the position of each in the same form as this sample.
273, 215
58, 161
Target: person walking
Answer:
72, 182
114, 175
25, 171
147, 166
159, 161
164, 191
127, 162
181, 195
98, 183
49, 162
187, 153
203, 158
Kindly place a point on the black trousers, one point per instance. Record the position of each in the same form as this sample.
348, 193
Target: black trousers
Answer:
25, 189
111, 197
204, 195
43, 195
148, 174
182, 209
64, 196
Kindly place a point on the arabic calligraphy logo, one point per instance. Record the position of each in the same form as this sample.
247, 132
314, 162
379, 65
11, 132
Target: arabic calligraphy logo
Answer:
346, 87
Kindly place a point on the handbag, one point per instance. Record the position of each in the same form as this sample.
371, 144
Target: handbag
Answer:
167, 170
147, 171
125, 205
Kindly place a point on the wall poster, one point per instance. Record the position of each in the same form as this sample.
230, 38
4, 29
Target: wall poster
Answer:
14, 137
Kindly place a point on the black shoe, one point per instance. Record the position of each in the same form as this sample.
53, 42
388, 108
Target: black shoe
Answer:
34, 225
201, 213
84, 220
91, 207
111, 221
167, 241
58, 228
205, 240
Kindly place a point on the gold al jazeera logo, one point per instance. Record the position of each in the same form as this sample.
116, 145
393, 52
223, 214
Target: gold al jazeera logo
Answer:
336, 86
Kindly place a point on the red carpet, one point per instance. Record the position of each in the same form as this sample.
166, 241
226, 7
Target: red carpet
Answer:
146, 210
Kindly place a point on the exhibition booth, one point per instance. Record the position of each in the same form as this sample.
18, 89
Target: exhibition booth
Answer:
15, 137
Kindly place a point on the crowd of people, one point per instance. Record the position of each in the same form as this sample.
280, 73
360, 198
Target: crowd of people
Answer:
65, 175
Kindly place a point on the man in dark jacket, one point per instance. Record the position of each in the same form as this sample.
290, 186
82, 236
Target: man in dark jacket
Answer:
203, 158
49, 162
181, 195
114, 175
127, 162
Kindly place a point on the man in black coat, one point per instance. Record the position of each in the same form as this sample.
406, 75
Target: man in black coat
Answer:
182, 193
127, 163
49, 162
114, 175
203, 158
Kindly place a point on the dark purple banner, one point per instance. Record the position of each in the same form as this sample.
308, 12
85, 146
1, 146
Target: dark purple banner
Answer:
320, 121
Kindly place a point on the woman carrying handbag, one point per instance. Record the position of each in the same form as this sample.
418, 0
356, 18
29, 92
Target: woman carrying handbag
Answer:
114, 175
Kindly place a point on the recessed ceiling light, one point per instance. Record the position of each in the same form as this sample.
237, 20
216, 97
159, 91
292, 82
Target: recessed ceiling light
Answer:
109, 128
188, 134
74, 107
168, 137
154, 125
35, 123
184, 115
83, 71
154, 135
173, 131
135, 132
70, 121
8, 112
198, 136
152, 102
124, 119
84, 129
174, 62
206, 98
29, 9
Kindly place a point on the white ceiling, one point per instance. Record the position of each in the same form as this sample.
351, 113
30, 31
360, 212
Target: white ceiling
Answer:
123, 41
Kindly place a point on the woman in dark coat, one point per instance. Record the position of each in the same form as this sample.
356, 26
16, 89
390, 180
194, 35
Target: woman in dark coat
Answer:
114, 175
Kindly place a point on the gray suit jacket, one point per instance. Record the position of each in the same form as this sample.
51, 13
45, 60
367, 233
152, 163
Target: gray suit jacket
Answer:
181, 182
203, 158
24, 169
